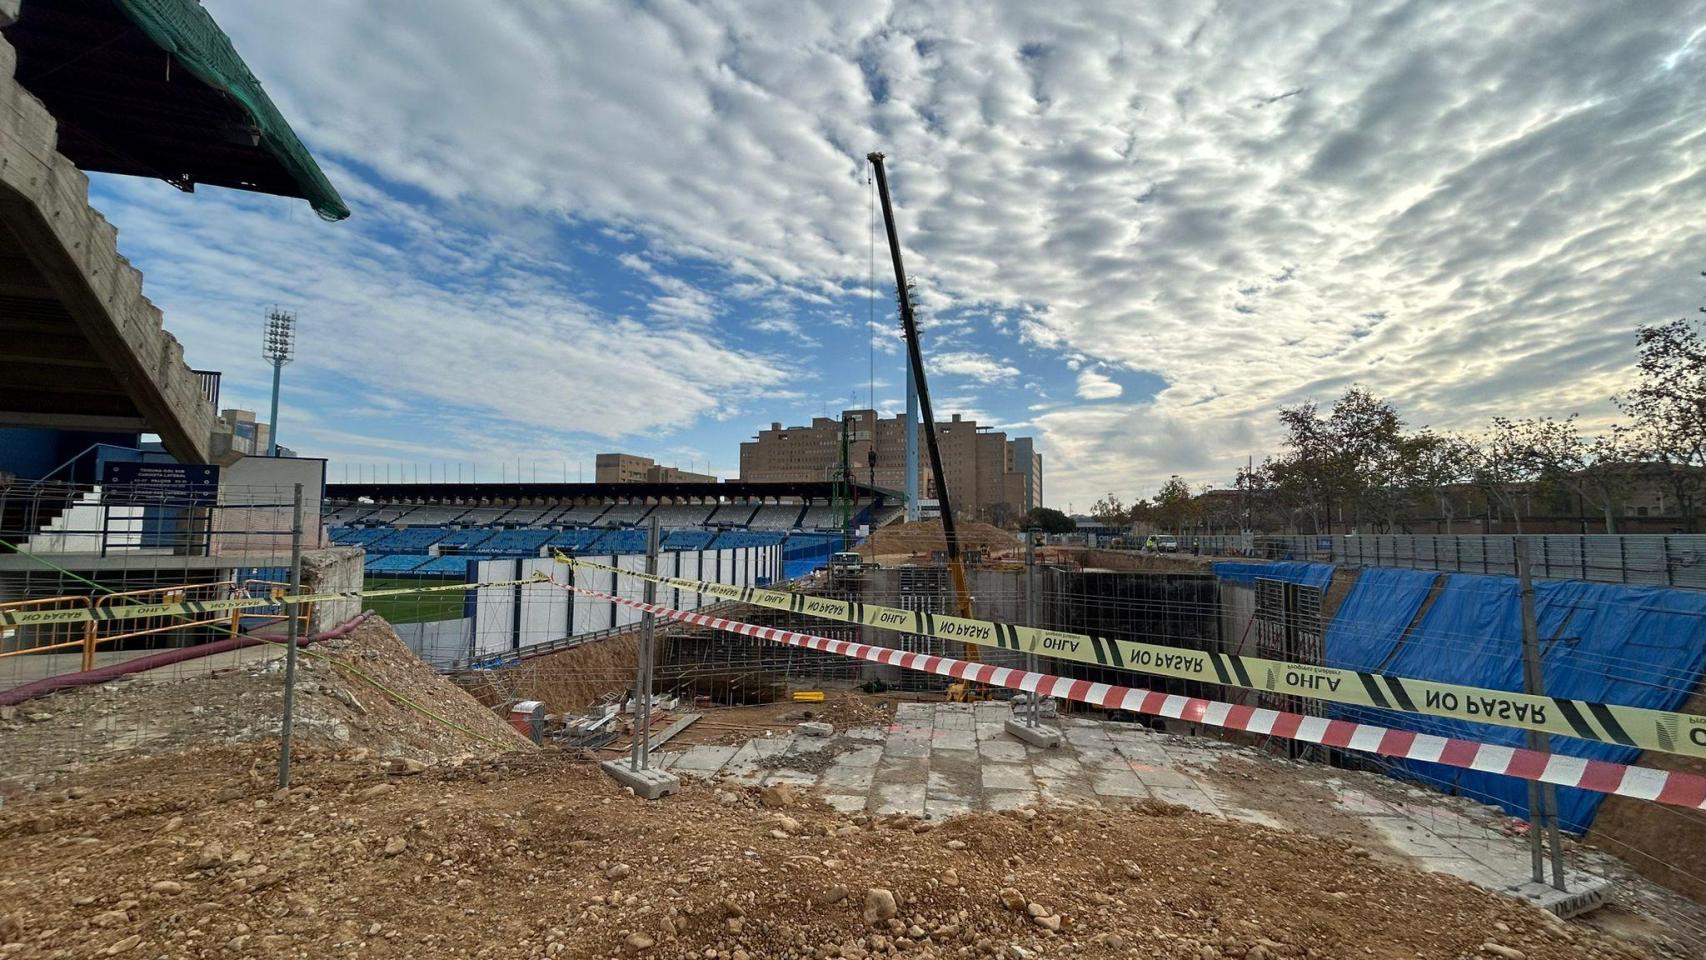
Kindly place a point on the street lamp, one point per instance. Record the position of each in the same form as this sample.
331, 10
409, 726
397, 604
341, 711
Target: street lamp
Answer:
278, 348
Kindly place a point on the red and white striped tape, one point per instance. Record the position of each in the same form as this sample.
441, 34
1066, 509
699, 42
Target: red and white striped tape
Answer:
1642, 783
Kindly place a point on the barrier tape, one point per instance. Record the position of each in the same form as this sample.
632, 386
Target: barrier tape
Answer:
1626, 780
137, 611
1648, 729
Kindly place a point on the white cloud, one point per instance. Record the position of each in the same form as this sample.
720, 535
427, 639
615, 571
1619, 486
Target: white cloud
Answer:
966, 363
1221, 194
1096, 386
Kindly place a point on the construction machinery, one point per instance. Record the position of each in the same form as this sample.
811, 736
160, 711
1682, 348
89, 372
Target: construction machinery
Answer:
915, 359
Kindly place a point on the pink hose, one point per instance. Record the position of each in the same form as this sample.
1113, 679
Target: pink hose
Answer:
165, 658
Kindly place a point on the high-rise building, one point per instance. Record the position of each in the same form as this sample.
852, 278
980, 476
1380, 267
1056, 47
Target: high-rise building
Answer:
989, 476
630, 468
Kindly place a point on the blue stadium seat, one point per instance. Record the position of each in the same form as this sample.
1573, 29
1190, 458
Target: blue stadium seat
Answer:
408, 540
394, 563
516, 543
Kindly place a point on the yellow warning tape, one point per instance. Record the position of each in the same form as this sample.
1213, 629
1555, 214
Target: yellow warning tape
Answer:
1679, 733
137, 611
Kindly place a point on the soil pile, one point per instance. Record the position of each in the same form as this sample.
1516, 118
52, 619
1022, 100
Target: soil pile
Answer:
365, 689
924, 536
539, 856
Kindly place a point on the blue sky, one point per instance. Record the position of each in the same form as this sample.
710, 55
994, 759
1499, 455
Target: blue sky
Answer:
1137, 229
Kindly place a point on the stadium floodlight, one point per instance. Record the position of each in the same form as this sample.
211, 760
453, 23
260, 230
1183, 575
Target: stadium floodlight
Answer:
278, 347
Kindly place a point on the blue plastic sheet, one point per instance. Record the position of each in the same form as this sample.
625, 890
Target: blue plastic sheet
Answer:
1641, 646
1291, 571
1373, 616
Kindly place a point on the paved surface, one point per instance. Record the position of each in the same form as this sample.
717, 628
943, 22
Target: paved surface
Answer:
941, 759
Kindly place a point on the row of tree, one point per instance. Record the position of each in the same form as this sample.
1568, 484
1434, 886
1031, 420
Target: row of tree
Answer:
1359, 467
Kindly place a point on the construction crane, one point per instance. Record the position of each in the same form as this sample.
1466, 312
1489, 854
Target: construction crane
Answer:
915, 357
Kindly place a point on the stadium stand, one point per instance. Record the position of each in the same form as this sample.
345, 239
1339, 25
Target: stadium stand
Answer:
408, 540
620, 541
624, 514
357, 536
585, 514
483, 516
688, 539
743, 538
533, 516
732, 514
463, 540
388, 515
776, 516
344, 516
456, 566
433, 516
671, 516
821, 518
394, 563
574, 540
516, 543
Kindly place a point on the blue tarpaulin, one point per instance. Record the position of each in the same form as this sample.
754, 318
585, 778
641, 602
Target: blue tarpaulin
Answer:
1640, 646
1248, 571
1373, 616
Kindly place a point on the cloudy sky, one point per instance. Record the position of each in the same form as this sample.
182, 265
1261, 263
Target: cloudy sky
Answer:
1138, 228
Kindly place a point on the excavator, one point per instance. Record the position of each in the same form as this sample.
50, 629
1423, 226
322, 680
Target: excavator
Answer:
960, 691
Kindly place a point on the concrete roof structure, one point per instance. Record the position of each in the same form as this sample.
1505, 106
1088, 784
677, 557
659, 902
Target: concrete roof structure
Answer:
85, 350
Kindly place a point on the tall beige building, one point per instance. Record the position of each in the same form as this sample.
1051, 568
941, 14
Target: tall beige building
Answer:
989, 476
631, 468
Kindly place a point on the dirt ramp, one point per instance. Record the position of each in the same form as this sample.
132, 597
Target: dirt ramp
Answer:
363, 690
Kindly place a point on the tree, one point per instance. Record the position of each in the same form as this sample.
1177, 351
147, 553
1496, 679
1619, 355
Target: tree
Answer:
1174, 505
1667, 409
1050, 520
1438, 462
1502, 465
1111, 511
1562, 458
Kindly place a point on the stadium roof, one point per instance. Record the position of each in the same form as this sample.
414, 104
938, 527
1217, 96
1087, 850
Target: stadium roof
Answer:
492, 492
153, 88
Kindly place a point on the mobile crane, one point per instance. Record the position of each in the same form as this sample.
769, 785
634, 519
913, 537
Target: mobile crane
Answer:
915, 357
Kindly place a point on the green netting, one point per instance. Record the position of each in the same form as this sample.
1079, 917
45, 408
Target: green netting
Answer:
185, 30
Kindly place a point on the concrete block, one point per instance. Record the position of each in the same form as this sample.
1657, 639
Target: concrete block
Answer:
1585, 893
650, 783
1038, 736
817, 728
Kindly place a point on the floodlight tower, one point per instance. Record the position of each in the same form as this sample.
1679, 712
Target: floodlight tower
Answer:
279, 348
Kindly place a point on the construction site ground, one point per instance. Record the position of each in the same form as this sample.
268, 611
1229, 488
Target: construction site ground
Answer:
424, 828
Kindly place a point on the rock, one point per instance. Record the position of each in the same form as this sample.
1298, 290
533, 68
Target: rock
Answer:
1131, 871
1036, 909
169, 888
404, 767
956, 844
726, 798
951, 877
211, 854
124, 944
1011, 898
11, 929
110, 918
779, 835
834, 894
1257, 952
77, 793
638, 942
1016, 952
1500, 950
732, 909
377, 790
817, 728
923, 826
395, 845
879, 905
41, 717
1047, 923
1114, 941
617, 871
789, 824
778, 796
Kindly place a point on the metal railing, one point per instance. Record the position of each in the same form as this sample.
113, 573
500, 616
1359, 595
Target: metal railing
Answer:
1664, 560
90, 635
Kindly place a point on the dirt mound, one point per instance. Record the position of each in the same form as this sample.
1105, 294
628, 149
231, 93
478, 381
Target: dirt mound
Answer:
568, 681
365, 689
538, 856
923, 536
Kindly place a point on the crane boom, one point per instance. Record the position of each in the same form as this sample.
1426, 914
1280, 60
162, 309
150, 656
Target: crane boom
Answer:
915, 356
